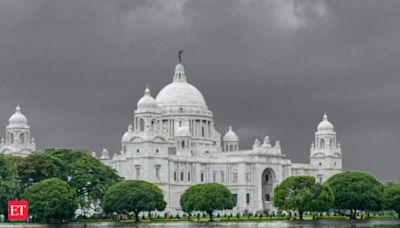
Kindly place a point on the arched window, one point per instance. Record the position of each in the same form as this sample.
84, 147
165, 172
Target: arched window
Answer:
267, 197
321, 143
183, 144
141, 124
22, 138
231, 147
226, 147
11, 138
202, 131
266, 178
137, 151
152, 124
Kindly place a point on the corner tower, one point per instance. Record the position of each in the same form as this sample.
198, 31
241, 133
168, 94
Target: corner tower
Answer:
325, 152
18, 137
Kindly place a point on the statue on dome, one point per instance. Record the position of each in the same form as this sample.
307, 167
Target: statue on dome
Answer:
180, 55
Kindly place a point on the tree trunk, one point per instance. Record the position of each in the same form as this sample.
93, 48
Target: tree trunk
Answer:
398, 214
136, 216
353, 214
301, 214
6, 215
210, 212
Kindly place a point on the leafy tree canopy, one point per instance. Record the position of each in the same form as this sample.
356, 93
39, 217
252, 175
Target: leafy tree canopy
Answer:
133, 196
88, 175
9, 184
40, 166
356, 191
391, 196
207, 197
302, 193
51, 199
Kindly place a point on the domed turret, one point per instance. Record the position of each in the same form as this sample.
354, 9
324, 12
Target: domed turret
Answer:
325, 125
230, 136
104, 154
231, 140
147, 102
128, 134
18, 137
325, 152
18, 119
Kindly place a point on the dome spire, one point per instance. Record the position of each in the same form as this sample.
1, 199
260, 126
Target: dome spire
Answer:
147, 90
18, 109
325, 116
179, 75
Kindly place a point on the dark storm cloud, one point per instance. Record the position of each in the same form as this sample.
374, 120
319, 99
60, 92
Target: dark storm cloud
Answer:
264, 67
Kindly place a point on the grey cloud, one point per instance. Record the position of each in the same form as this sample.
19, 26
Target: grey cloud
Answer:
264, 67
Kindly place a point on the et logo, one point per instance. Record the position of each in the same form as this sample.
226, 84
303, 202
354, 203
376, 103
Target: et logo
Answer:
17, 210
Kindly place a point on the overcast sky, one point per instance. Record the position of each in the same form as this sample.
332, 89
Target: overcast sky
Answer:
78, 67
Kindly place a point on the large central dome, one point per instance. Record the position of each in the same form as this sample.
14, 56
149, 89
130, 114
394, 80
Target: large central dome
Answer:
179, 92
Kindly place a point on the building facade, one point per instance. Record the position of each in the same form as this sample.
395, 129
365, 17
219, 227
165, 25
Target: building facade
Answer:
173, 143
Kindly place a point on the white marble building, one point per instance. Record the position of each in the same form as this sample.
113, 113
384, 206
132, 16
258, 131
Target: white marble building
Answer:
18, 136
174, 144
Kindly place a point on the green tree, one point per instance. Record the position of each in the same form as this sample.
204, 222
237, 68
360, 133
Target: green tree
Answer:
88, 175
391, 196
207, 198
133, 196
51, 199
39, 166
302, 193
9, 184
356, 191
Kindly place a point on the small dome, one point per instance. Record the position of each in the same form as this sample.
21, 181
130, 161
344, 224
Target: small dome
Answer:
230, 136
325, 125
147, 101
18, 118
128, 134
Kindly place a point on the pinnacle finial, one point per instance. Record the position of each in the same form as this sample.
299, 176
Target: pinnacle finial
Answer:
325, 117
18, 108
130, 127
230, 128
147, 90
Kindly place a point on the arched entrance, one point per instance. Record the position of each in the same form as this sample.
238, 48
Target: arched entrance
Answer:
267, 183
